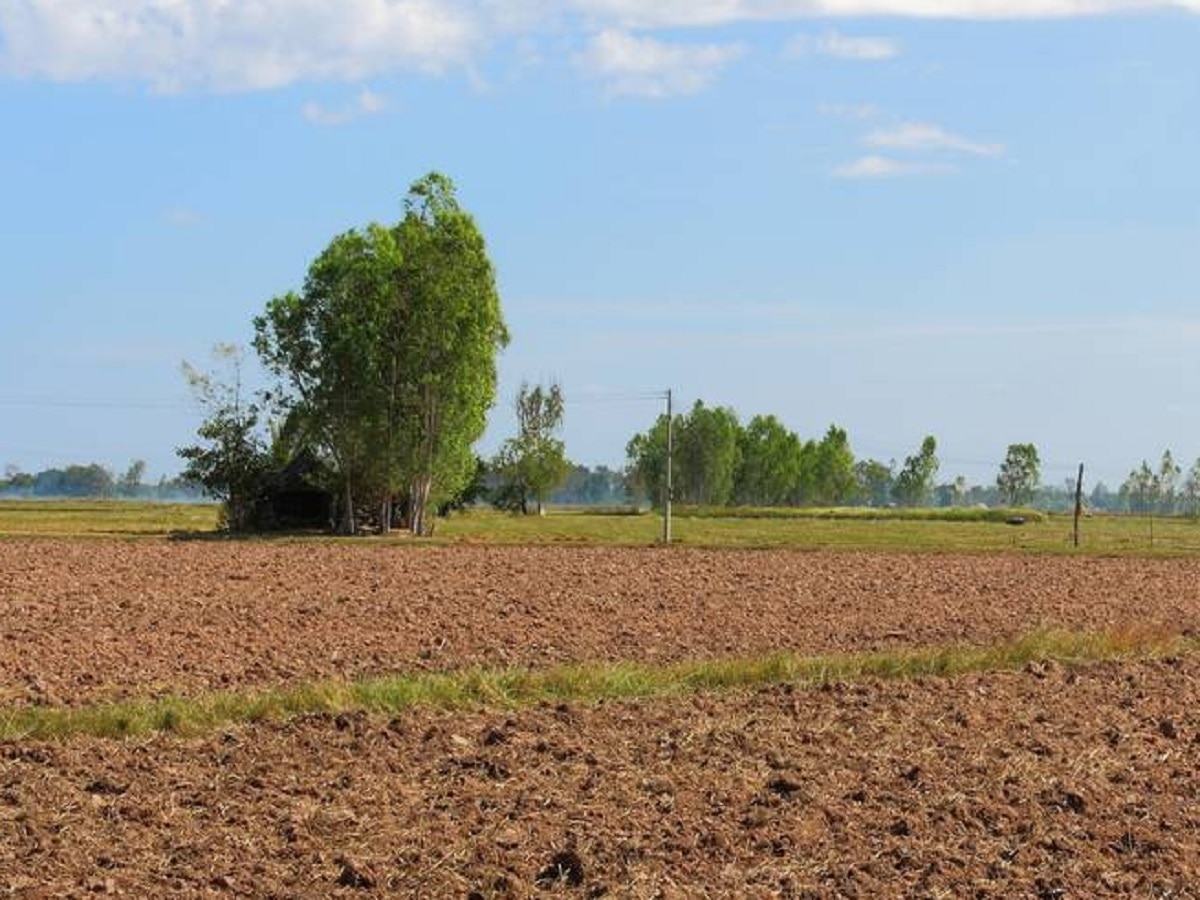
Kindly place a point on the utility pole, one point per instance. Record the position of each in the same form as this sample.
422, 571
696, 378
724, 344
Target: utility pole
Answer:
1078, 502
667, 493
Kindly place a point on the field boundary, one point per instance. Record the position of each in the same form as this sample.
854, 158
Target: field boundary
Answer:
579, 683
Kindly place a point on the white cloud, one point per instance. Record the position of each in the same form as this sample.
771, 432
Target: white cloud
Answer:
221, 45
679, 13
646, 67
922, 136
367, 103
234, 45
840, 46
876, 167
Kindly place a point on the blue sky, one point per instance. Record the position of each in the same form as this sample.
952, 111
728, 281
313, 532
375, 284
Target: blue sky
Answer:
976, 220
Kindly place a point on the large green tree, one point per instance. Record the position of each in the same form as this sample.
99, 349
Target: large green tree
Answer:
454, 329
387, 356
330, 346
1020, 474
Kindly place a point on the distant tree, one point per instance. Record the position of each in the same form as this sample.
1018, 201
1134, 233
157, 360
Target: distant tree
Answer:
534, 462
707, 455
1190, 494
1101, 497
770, 459
1168, 481
951, 494
92, 480
16, 481
874, 480
231, 460
131, 482
592, 486
828, 477
1020, 474
916, 478
1140, 490
646, 456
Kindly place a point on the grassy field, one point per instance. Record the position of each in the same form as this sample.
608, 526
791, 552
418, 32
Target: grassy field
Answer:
898, 530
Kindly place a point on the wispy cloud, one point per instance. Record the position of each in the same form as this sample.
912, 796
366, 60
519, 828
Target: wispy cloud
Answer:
698, 13
854, 111
180, 216
176, 45
841, 46
877, 167
922, 136
367, 103
647, 67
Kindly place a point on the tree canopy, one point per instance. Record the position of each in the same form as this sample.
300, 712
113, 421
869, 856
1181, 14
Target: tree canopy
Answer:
386, 357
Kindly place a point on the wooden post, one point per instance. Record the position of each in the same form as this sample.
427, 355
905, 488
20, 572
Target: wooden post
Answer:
666, 536
1078, 502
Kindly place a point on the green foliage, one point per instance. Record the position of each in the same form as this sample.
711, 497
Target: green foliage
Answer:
387, 356
828, 474
915, 481
1019, 474
534, 462
707, 455
874, 480
647, 460
231, 461
772, 460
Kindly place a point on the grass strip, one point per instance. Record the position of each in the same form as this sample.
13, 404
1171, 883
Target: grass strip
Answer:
581, 683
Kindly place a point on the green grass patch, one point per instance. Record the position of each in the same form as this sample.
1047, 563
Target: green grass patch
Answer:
103, 518
862, 513
892, 530
582, 683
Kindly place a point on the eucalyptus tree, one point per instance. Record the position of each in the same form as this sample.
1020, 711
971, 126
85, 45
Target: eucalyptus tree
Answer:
387, 356
329, 345
1019, 474
915, 481
453, 329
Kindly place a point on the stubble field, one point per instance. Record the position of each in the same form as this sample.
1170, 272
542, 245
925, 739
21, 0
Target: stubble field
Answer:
1072, 780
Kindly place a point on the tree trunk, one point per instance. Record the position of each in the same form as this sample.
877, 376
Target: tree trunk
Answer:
421, 487
348, 513
385, 515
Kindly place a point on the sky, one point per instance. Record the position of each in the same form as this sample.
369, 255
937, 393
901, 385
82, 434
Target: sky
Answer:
977, 220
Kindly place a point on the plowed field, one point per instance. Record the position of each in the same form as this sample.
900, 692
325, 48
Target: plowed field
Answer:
1064, 783
90, 620
1054, 782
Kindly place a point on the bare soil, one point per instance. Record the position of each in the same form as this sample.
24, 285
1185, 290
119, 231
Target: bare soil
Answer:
1049, 783
82, 621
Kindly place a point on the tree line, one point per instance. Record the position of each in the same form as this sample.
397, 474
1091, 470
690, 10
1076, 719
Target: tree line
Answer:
719, 462
92, 480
